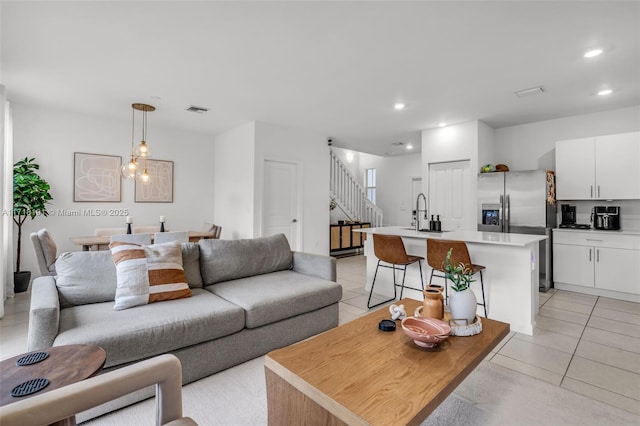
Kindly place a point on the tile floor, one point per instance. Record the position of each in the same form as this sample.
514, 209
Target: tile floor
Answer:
585, 344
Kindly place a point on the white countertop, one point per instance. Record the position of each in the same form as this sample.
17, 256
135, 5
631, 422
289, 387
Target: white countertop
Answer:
466, 236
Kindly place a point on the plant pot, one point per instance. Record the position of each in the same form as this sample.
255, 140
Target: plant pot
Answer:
21, 281
463, 305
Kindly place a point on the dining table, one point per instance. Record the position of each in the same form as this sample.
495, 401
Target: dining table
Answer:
101, 242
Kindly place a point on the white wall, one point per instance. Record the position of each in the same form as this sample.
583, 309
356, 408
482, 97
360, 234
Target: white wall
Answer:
393, 185
233, 182
532, 146
52, 136
311, 151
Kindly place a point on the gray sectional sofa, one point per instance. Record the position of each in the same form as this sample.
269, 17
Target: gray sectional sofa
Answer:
248, 298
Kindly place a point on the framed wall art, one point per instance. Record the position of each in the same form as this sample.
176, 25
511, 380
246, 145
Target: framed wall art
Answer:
96, 177
160, 186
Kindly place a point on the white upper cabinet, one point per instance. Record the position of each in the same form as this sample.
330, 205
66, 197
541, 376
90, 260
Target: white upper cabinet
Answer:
575, 169
618, 166
600, 168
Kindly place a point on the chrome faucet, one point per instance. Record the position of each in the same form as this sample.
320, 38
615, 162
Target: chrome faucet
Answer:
418, 210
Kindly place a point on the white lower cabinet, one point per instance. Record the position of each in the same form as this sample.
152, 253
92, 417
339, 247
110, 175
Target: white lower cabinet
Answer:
597, 260
618, 270
573, 265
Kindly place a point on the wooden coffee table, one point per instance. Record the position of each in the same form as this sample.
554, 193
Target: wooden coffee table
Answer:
65, 365
357, 374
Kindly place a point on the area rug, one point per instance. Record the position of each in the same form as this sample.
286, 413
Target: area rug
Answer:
491, 395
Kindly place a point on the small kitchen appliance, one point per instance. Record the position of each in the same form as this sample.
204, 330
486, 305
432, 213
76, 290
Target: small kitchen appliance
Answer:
606, 217
568, 218
568, 214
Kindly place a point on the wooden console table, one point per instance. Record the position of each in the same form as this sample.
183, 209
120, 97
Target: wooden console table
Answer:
343, 237
357, 375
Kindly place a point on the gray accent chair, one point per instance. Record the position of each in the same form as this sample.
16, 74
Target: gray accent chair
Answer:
60, 405
46, 251
164, 237
144, 239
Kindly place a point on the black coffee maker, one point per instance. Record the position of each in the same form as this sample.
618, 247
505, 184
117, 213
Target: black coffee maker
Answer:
568, 215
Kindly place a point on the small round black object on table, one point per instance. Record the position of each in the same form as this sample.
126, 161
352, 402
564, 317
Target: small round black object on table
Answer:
387, 325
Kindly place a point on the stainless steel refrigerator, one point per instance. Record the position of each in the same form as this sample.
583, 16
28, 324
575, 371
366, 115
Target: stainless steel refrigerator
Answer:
520, 203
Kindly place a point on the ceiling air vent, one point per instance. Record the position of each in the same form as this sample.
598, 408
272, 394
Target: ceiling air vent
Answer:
197, 109
529, 92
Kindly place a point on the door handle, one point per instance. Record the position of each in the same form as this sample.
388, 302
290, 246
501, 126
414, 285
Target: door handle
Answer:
590, 255
597, 255
591, 191
294, 220
598, 191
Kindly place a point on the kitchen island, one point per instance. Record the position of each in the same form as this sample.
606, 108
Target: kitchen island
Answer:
510, 280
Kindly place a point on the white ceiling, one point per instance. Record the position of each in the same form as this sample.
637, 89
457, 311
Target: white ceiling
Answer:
335, 68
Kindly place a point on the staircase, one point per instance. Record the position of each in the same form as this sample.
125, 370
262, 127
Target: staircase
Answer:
350, 196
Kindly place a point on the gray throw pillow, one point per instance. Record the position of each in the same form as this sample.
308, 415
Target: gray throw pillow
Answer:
224, 260
191, 264
85, 277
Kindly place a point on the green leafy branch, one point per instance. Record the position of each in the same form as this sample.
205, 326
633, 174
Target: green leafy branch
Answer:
460, 274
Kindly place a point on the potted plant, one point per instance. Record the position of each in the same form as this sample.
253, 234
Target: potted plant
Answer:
30, 196
462, 301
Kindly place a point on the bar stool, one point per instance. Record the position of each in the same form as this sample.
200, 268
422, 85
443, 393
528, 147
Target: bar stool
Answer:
390, 249
436, 258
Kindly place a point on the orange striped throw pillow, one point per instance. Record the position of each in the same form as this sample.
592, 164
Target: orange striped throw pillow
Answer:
147, 274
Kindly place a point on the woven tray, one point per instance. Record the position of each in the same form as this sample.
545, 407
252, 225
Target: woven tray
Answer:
458, 330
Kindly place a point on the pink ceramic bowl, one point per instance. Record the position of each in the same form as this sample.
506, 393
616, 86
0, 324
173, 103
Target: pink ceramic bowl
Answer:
426, 332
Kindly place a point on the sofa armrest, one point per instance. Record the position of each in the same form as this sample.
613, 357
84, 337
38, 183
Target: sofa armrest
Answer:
316, 265
44, 313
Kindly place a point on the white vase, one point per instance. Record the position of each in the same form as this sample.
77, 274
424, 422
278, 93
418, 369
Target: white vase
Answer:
463, 306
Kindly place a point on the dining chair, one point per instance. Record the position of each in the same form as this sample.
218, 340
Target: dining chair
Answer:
163, 237
46, 251
390, 250
437, 256
213, 229
144, 239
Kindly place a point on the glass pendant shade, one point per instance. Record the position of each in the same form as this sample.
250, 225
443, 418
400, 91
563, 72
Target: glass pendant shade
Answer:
144, 177
143, 150
129, 170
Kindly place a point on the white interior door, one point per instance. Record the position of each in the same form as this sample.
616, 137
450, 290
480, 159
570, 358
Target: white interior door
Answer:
280, 202
450, 195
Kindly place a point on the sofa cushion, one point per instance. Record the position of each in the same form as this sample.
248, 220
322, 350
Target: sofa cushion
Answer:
276, 296
149, 330
148, 274
224, 260
85, 277
191, 264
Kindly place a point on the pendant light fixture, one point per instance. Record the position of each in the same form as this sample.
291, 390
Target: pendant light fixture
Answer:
137, 165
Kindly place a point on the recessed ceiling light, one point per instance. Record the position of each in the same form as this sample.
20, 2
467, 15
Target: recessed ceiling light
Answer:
442, 124
605, 92
399, 106
409, 146
592, 53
